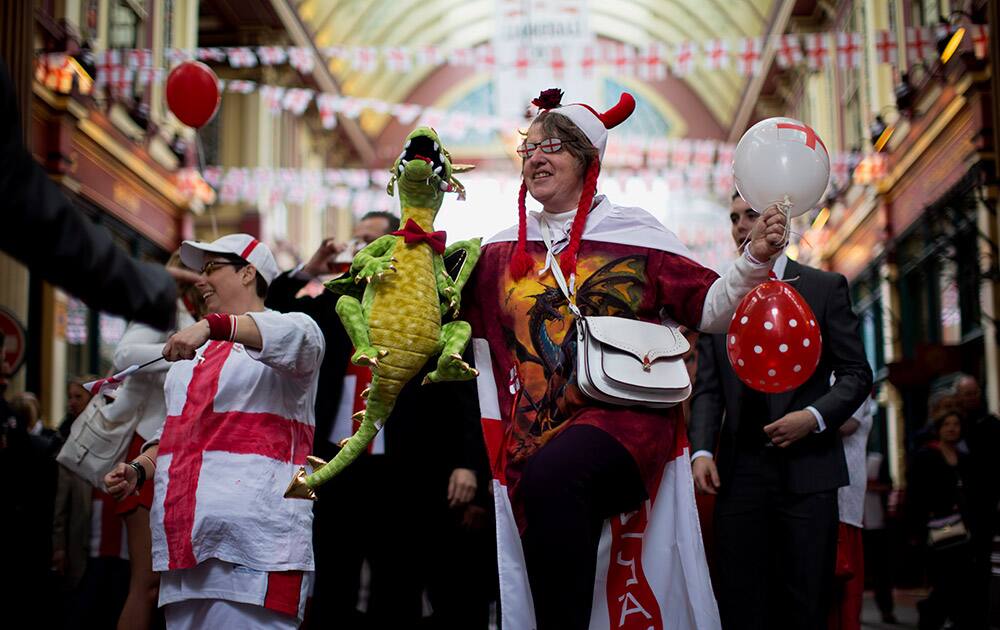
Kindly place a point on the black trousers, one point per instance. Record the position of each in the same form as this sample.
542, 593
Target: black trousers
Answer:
878, 567
365, 514
569, 488
776, 550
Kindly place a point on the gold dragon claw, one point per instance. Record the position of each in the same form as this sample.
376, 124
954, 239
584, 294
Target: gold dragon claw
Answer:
298, 488
365, 392
427, 380
315, 462
382, 353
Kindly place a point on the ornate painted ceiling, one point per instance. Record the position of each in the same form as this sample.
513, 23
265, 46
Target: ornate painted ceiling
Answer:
711, 97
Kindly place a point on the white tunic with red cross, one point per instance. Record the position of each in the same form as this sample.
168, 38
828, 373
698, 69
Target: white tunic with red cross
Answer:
239, 424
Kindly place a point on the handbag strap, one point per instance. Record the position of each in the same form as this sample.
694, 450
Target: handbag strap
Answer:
557, 273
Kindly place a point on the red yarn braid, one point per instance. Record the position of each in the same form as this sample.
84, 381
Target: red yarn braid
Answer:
567, 260
520, 263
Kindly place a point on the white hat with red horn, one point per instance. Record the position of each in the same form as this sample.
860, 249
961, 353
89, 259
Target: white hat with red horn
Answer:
594, 125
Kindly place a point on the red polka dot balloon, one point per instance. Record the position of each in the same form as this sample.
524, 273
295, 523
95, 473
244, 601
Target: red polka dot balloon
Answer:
774, 341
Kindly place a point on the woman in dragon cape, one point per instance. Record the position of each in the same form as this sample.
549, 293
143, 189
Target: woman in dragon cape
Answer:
564, 463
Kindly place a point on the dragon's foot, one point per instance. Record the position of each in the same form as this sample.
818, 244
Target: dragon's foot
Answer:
451, 367
298, 488
368, 356
375, 269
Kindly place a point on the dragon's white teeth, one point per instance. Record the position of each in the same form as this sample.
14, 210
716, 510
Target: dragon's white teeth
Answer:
407, 145
437, 170
441, 157
401, 155
401, 169
443, 186
435, 146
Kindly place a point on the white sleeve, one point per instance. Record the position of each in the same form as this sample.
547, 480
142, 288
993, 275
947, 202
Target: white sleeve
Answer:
727, 291
140, 344
291, 342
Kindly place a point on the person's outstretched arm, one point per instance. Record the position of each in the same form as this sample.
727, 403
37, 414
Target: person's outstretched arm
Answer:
43, 230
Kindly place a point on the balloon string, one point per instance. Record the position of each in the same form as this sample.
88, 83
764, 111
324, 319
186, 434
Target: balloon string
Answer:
785, 205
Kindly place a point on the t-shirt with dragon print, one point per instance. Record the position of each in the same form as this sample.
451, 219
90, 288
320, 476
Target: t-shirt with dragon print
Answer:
532, 340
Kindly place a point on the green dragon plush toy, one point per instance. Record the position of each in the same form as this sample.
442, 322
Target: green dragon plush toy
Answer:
396, 326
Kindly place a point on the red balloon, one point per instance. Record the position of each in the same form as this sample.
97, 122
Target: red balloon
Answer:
193, 93
774, 342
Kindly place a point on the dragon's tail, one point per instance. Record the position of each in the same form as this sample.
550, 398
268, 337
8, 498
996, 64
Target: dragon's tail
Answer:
380, 401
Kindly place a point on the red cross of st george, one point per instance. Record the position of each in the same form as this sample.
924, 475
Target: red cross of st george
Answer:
198, 429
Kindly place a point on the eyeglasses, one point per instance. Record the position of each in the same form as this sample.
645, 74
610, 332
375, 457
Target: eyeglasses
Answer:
212, 265
549, 145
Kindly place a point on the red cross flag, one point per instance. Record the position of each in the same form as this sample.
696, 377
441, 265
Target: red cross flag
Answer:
107, 61
521, 62
624, 60
242, 57
789, 51
240, 86
178, 55
748, 56
817, 50
980, 40
429, 56
365, 59
486, 59
704, 153
588, 61
556, 62
651, 62
296, 100
272, 96
302, 59
918, 43
722, 180
150, 75
680, 153
717, 54
848, 50
886, 47
683, 59
271, 55
211, 54
121, 81
139, 58
406, 113
397, 59
326, 104
462, 57
336, 52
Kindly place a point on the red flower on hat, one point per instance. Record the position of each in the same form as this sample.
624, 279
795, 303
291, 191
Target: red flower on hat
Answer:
548, 99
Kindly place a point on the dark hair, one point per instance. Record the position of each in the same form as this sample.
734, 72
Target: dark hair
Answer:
943, 414
382, 214
239, 263
575, 142
736, 194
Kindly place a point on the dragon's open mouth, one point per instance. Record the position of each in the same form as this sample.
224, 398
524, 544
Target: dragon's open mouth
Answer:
426, 149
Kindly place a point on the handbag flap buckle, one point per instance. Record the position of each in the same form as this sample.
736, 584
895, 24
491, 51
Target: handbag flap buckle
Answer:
646, 341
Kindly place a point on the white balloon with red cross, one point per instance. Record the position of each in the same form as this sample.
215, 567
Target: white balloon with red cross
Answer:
774, 342
781, 161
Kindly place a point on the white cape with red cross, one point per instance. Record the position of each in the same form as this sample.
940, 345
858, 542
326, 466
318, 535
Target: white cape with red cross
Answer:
651, 568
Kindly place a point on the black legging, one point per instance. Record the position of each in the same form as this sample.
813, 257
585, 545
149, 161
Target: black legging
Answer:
569, 487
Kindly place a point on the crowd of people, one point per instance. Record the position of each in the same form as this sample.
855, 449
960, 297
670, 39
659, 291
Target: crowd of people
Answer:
188, 528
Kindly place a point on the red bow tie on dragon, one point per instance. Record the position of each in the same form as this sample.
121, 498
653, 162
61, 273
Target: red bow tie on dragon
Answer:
413, 233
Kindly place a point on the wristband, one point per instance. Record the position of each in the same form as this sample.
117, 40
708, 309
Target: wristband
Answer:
221, 327
140, 474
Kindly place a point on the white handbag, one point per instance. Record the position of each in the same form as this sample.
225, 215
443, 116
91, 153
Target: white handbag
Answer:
625, 361
95, 444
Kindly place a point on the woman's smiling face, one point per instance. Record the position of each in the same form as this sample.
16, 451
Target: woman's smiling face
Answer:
554, 179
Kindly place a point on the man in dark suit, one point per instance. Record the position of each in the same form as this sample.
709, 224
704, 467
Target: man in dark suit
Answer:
780, 460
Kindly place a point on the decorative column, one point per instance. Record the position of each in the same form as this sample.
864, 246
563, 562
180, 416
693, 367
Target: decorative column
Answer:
16, 48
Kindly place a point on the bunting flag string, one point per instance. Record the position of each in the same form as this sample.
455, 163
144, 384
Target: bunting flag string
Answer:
689, 166
650, 61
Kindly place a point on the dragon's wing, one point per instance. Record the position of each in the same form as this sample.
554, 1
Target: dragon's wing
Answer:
614, 289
